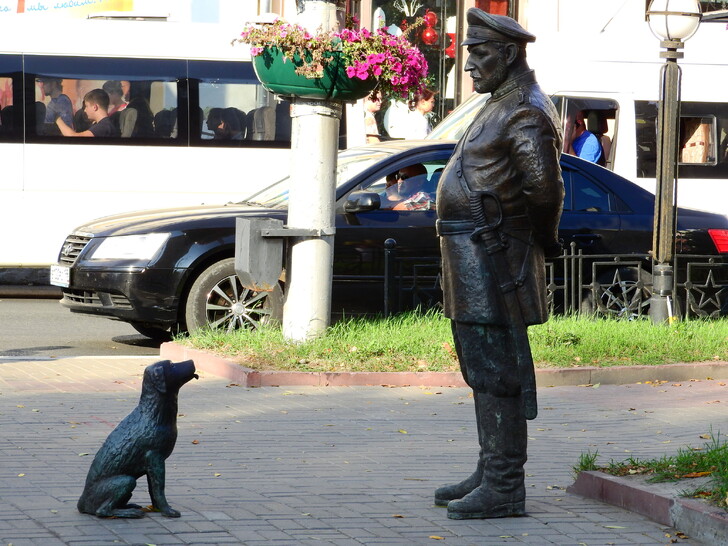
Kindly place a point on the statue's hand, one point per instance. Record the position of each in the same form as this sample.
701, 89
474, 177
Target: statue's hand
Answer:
554, 249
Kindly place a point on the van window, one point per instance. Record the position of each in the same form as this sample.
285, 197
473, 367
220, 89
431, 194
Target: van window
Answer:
702, 143
600, 117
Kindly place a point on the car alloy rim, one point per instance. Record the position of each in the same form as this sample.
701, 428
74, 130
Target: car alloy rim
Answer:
231, 306
624, 299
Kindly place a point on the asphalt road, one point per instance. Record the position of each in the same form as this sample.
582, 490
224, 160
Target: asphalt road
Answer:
41, 328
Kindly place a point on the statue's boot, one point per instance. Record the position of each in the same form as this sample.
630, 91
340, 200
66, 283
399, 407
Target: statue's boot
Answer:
446, 493
503, 434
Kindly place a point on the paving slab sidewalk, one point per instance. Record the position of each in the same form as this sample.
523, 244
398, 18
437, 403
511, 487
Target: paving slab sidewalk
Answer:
325, 465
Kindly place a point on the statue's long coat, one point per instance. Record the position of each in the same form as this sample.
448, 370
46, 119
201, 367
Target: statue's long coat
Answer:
511, 149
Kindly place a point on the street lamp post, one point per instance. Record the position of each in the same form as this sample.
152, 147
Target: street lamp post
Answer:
673, 22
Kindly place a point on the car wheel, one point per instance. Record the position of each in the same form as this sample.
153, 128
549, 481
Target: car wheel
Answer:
154, 332
620, 293
218, 300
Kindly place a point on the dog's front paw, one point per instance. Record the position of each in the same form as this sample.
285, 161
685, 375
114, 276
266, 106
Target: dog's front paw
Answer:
170, 512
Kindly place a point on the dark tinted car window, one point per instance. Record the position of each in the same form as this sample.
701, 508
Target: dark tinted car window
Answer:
588, 197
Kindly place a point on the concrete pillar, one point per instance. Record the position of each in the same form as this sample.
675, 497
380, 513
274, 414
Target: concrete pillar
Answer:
314, 148
314, 138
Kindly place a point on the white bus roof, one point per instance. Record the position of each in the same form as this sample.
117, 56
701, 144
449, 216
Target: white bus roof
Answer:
121, 38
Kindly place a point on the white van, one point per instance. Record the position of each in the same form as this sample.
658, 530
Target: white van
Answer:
615, 83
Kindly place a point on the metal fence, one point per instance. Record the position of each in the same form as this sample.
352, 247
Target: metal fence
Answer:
613, 285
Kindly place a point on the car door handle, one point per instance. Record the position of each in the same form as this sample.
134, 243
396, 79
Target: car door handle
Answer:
586, 238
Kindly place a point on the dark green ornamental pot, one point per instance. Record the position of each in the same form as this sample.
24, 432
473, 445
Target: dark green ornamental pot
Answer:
280, 77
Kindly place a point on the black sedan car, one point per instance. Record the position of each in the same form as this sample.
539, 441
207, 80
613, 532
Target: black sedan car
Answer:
173, 269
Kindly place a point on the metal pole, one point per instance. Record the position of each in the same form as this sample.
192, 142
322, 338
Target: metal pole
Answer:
314, 147
665, 219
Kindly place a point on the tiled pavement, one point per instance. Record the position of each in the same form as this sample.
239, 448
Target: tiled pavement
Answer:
324, 465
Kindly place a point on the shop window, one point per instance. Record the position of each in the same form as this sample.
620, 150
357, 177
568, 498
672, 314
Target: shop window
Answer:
497, 7
436, 38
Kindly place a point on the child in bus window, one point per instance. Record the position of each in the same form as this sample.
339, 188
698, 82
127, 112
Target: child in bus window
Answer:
96, 107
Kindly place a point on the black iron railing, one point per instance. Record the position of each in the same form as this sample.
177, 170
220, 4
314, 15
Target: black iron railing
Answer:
615, 285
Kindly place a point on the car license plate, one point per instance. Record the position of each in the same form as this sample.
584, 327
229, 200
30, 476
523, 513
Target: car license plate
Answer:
60, 276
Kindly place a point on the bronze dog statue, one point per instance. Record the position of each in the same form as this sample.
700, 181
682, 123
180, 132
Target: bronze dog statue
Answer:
139, 445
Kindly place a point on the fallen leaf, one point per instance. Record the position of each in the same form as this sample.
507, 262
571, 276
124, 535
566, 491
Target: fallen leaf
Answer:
82, 454
696, 474
402, 431
20, 406
195, 442
21, 475
397, 516
614, 527
705, 436
217, 474
435, 537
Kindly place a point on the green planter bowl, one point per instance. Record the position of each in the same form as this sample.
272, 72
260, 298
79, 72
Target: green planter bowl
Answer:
280, 78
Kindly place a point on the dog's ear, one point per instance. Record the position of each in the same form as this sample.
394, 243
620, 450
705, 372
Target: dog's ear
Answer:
157, 375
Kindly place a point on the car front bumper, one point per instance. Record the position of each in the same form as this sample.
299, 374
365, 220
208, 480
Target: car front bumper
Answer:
148, 296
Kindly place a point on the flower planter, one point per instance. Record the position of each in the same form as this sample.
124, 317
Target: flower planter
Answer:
280, 77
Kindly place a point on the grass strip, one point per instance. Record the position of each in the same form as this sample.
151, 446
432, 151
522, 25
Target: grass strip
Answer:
711, 461
423, 342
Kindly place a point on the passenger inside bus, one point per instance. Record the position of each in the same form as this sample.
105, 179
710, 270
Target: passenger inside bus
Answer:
95, 106
116, 96
226, 123
59, 106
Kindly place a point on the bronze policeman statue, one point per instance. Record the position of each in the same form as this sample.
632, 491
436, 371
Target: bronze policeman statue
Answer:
499, 202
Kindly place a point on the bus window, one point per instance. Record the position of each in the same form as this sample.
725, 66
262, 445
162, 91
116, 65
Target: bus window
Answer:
242, 111
6, 107
137, 108
11, 98
143, 95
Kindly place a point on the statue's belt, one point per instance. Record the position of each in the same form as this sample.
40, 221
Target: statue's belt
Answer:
457, 227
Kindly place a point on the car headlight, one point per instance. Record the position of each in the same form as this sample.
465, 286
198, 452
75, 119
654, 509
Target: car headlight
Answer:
129, 247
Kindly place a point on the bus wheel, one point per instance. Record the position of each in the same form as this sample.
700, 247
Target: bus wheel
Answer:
218, 300
621, 293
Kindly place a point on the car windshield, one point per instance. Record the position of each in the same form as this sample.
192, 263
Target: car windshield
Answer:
350, 163
455, 124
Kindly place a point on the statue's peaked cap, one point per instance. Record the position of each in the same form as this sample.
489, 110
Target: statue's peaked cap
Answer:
484, 27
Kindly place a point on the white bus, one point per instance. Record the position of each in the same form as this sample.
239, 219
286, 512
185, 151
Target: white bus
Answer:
197, 127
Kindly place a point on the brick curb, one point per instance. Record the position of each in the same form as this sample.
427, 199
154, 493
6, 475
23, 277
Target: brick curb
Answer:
616, 375
696, 518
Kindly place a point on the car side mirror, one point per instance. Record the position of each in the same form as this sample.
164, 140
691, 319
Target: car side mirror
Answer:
362, 201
